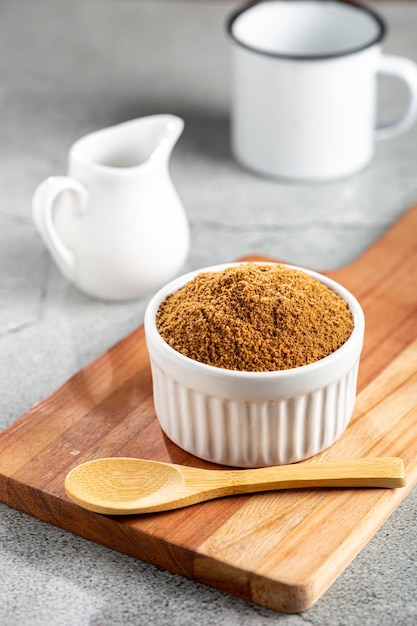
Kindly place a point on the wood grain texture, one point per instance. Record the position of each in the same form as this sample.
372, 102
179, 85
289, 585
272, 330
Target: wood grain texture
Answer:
127, 486
281, 550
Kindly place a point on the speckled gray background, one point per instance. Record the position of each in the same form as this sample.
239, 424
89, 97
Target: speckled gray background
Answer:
71, 66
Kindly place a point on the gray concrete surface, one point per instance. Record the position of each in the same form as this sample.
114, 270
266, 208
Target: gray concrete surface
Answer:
71, 66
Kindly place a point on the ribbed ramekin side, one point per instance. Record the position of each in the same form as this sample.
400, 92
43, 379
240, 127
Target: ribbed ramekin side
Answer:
253, 433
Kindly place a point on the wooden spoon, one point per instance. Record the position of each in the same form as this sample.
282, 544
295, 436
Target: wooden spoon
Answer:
125, 486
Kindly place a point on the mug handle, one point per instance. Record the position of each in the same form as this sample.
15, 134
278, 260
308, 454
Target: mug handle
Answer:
42, 211
405, 70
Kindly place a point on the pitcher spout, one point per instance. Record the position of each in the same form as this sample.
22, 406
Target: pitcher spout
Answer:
130, 144
171, 127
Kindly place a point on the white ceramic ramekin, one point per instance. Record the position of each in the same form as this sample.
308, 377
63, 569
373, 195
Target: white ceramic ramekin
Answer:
253, 419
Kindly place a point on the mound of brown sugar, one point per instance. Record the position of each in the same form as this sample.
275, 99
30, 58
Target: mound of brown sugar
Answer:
255, 317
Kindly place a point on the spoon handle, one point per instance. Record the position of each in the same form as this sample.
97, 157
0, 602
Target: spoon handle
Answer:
385, 472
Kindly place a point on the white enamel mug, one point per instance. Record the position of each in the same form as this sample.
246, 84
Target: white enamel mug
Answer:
304, 87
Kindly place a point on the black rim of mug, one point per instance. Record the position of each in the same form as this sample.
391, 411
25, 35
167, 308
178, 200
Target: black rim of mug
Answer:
308, 57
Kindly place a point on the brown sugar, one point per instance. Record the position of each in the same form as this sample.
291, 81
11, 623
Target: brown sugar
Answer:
255, 317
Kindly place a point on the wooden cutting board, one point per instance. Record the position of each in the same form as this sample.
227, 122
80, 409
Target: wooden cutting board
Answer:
282, 549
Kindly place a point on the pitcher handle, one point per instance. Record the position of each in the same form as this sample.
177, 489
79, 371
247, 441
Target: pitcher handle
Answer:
405, 70
42, 211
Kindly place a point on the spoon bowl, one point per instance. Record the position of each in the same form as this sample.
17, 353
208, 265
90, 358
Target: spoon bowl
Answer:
126, 486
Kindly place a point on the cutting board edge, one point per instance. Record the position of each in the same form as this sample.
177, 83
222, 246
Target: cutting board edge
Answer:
202, 568
271, 592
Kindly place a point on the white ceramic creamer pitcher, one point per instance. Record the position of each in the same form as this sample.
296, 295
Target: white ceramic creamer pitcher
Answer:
115, 225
